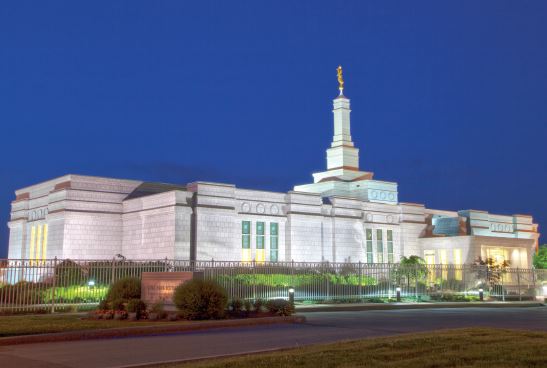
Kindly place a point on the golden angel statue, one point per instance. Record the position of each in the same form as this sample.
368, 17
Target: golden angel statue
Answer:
340, 79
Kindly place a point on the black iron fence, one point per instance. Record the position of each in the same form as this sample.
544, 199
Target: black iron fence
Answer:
29, 285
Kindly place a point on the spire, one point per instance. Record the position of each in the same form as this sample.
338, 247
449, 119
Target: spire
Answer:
340, 80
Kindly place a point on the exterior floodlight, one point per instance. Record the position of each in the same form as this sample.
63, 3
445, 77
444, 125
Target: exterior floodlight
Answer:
481, 295
91, 283
291, 295
398, 290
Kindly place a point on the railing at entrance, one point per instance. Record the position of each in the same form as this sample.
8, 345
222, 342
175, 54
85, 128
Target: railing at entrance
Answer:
51, 285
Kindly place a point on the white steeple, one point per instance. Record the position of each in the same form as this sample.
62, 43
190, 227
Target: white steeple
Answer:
343, 177
342, 156
342, 152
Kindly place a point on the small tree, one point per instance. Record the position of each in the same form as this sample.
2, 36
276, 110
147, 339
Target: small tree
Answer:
540, 258
490, 270
411, 269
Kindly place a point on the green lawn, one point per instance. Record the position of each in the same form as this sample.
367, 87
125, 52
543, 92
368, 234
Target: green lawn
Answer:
478, 347
36, 324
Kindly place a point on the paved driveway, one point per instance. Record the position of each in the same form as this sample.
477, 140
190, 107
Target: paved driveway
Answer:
321, 327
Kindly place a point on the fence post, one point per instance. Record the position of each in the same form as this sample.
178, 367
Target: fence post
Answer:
112, 277
464, 284
518, 284
54, 285
254, 278
360, 281
502, 290
416, 282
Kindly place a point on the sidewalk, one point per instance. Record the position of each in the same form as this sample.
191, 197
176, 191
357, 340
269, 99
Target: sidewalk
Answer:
421, 305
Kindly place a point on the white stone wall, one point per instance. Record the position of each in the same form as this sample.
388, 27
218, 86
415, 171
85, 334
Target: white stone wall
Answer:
16, 240
183, 223
56, 238
92, 235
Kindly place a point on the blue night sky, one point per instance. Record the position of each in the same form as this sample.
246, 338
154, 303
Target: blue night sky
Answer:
448, 98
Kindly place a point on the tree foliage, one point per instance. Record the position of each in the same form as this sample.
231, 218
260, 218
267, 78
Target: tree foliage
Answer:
540, 259
410, 270
490, 270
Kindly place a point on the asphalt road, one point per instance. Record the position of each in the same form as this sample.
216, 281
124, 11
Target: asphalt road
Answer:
321, 327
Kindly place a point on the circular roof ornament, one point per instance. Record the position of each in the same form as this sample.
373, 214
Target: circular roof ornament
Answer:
260, 208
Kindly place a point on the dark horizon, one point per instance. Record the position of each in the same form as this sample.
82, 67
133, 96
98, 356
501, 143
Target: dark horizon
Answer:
448, 100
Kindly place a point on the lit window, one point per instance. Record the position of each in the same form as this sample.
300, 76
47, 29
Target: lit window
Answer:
274, 241
429, 256
370, 258
32, 243
246, 241
380, 246
458, 264
260, 242
390, 246
38, 253
443, 259
38, 243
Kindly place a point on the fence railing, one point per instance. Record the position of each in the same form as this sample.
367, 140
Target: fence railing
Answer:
29, 285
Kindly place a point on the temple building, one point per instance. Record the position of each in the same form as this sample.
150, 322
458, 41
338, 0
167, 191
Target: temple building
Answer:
345, 215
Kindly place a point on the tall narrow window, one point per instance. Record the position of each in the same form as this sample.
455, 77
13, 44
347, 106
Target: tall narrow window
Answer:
246, 241
44, 242
260, 242
390, 246
458, 264
370, 258
274, 241
443, 259
38, 242
429, 256
32, 243
379, 246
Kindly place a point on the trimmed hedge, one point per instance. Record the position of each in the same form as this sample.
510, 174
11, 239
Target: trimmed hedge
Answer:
280, 307
282, 280
200, 299
126, 288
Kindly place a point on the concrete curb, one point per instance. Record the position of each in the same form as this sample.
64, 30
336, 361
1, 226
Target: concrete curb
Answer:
391, 306
146, 330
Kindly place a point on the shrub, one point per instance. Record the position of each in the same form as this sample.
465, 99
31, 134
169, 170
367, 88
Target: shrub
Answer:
126, 288
69, 273
236, 305
158, 309
136, 306
280, 307
22, 293
258, 305
118, 304
247, 305
200, 299
103, 305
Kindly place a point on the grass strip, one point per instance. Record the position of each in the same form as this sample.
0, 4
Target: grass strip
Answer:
475, 347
